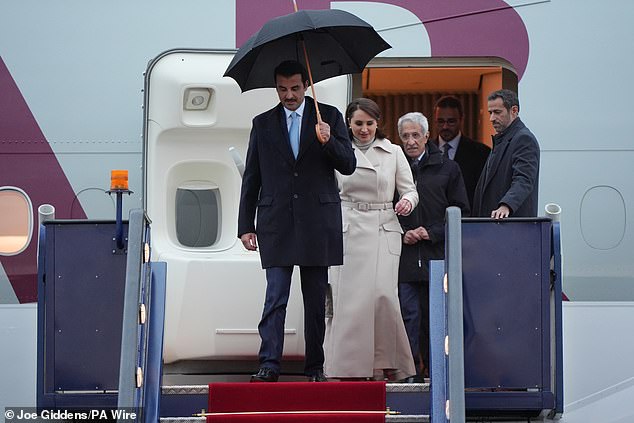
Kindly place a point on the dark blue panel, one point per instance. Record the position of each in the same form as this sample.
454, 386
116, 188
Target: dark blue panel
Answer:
183, 405
528, 402
85, 288
409, 403
156, 324
78, 401
41, 308
437, 331
505, 282
557, 299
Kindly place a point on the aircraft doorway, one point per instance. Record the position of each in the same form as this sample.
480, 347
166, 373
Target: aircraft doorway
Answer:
400, 89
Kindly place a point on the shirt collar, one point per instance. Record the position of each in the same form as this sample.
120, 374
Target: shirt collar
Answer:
453, 142
299, 110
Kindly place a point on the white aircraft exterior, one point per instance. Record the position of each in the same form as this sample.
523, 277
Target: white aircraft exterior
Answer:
71, 109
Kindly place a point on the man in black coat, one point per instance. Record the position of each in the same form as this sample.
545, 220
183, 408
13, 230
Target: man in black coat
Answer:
469, 154
289, 179
509, 183
440, 185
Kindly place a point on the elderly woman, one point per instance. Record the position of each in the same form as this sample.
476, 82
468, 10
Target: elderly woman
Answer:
365, 337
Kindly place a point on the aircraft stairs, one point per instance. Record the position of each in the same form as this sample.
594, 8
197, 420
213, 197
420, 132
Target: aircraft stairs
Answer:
503, 362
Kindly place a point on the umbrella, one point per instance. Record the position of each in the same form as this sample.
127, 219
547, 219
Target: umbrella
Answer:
338, 43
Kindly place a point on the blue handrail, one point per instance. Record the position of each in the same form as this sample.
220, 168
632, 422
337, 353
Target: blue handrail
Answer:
143, 324
447, 336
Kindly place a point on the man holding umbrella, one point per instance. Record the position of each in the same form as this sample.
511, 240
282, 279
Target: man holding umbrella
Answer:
289, 180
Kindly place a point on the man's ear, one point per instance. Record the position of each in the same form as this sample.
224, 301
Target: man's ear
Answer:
515, 110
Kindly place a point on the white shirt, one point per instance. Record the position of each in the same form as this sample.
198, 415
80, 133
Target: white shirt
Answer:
453, 143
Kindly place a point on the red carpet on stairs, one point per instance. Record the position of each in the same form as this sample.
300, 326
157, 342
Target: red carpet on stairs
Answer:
269, 398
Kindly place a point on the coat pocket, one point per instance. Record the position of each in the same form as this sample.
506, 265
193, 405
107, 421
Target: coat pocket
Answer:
326, 198
267, 222
345, 227
265, 200
393, 232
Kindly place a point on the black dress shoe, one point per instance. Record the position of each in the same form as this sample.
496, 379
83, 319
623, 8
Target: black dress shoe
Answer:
317, 377
265, 374
413, 379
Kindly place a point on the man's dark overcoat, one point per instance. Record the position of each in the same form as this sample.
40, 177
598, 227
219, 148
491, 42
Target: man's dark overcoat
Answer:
440, 185
297, 200
471, 156
511, 175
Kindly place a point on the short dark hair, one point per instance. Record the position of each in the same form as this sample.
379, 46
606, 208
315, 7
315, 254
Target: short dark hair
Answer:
368, 106
509, 98
449, 102
289, 68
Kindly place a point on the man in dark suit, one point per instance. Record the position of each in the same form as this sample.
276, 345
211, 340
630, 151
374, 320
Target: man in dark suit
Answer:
469, 154
289, 179
509, 183
439, 185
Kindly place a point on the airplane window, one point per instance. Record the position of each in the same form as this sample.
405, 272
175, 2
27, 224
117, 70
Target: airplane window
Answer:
197, 216
16, 221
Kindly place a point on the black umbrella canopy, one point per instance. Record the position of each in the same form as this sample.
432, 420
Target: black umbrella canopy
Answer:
337, 43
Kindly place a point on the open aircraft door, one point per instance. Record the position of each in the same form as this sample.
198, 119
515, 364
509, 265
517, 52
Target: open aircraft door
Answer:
196, 132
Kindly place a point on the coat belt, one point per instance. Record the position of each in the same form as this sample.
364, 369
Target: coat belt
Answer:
367, 206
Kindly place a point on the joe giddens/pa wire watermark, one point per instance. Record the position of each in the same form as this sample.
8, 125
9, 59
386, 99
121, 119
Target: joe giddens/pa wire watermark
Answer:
32, 415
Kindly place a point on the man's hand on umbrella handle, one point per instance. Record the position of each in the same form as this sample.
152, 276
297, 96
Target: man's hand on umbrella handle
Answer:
323, 131
250, 242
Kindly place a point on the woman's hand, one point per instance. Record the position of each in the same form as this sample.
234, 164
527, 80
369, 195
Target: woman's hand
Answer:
403, 207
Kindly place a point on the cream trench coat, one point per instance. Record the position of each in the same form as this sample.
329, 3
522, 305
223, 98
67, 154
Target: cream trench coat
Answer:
366, 330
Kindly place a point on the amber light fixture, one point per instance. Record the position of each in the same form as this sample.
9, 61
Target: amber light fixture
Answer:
118, 180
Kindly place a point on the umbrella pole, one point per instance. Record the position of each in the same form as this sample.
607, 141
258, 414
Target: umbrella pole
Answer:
312, 86
312, 89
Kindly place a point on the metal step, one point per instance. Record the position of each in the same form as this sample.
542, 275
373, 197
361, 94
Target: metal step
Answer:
204, 389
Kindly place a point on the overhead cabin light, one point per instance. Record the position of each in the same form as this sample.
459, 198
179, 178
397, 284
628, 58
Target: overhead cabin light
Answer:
196, 98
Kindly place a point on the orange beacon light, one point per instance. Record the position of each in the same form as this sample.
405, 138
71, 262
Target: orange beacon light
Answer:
119, 180
119, 185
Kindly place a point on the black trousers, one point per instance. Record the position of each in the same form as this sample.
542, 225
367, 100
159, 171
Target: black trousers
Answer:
414, 300
314, 280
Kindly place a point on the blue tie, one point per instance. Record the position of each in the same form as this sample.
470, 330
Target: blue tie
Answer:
293, 133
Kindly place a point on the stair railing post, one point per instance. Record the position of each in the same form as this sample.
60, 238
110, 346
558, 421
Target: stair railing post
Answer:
453, 266
127, 396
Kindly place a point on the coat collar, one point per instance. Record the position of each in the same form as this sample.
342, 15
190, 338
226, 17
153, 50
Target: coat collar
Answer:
364, 159
508, 133
380, 143
432, 155
501, 142
307, 131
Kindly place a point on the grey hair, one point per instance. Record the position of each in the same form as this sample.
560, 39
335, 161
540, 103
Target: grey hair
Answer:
414, 117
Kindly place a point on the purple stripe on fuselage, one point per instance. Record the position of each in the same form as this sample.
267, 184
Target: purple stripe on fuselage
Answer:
456, 28
28, 162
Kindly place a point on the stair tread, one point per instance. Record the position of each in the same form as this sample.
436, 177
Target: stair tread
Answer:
204, 389
402, 418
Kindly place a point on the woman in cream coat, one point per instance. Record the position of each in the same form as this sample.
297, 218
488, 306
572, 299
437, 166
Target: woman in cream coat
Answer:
365, 337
